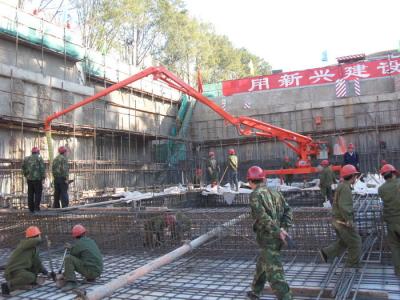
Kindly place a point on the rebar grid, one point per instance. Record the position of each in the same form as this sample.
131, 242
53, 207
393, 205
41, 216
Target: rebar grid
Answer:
197, 277
156, 229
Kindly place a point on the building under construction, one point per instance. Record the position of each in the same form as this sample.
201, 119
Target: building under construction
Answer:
133, 155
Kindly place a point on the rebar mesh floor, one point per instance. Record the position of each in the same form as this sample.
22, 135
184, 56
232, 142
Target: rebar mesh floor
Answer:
197, 277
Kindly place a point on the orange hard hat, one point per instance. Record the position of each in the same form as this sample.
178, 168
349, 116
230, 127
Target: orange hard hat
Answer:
32, 231
231, 151
62, 149
210, 154
78, 230
348, 170
388, 168
255, 173
35, 150
325, 163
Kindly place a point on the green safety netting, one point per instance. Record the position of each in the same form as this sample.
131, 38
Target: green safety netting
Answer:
212, 90
172, 152
35, 30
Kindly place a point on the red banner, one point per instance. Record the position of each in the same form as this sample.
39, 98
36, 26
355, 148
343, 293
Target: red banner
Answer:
359, 70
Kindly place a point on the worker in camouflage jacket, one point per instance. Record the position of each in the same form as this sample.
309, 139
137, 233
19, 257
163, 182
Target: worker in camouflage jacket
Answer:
326, 179
390, 195
24, 263
34, 171
60, 174
84, 257
272, 216
347, 235
212, 169
233, 169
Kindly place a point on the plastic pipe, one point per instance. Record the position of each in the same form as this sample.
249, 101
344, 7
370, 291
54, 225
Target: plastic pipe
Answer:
123, 280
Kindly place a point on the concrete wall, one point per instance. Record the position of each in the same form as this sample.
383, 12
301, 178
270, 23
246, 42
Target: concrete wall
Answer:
36, 84
365, 120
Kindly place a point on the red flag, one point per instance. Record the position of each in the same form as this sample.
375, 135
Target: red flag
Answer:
199, 82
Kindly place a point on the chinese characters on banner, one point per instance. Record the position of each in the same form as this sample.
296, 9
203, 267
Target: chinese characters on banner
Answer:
331, 74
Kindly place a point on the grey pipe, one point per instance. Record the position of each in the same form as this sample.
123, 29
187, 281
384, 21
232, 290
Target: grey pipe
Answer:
108, 289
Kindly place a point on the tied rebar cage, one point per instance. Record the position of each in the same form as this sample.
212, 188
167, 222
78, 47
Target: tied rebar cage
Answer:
137, 234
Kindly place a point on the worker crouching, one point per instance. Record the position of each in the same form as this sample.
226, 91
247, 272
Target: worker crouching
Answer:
347, 236
84, 257
24, 264
272, 216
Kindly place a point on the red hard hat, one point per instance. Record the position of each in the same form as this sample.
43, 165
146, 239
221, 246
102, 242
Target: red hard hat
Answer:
325, 163
62, 149
286, 158
383, 162
35, 150
388, 168
231, 151
350, 146
78, 230
348, 170
255, 173
169, 219
32, 231
211, 153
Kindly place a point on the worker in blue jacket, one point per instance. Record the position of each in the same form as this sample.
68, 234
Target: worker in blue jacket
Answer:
351, 157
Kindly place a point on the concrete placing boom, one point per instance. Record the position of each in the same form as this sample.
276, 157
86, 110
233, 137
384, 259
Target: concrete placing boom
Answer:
302, 145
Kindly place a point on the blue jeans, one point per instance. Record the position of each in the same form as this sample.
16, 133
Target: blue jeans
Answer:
233, 179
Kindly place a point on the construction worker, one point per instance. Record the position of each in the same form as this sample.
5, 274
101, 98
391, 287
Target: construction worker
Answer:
24, 264
390, 195
351, 157
176, 226
347, 236
60, 175
232, 169
34, 171
84, 257
154, 231
212, 169
326, 179
272, 216
198, 174
287, 165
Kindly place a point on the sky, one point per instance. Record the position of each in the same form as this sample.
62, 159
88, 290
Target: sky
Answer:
292, 34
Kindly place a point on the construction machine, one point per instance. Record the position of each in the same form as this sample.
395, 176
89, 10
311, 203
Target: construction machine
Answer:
304, 146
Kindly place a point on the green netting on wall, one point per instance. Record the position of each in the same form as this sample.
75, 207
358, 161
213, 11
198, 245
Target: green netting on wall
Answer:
35, 30
172, 152
213, 90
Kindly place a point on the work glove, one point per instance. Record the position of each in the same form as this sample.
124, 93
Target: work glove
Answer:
349, 224
67, 246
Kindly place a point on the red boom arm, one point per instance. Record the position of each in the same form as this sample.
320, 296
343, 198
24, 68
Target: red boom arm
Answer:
303, 146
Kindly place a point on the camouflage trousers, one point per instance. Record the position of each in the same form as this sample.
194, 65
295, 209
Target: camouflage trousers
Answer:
393, 237
269, 268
